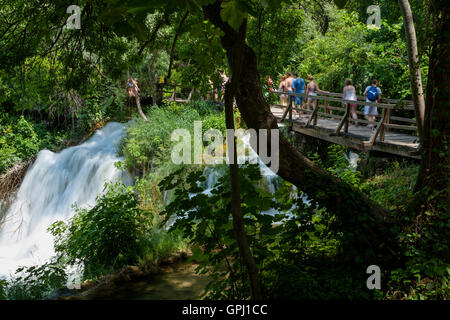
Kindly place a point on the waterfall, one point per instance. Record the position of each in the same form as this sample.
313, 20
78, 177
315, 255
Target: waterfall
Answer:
214, 173
51, 186
352, 159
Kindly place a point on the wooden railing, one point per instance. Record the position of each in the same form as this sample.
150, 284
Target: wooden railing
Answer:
342, 113
173, 93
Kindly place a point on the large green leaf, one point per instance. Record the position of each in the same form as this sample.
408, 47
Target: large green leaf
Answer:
231, 14
139, 27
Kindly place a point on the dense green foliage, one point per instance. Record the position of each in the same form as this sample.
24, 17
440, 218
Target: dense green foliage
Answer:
148, 145
298, 250
35, 282
116, 232
284, 37
423, 239
23, 136
351, 50
18, 142
58, 85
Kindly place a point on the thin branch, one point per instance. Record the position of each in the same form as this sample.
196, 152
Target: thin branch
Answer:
172, 52
164, 20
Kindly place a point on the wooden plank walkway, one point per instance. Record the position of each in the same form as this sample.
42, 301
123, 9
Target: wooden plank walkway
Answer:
357, 137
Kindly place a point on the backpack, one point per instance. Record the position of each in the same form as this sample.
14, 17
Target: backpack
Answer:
372, 93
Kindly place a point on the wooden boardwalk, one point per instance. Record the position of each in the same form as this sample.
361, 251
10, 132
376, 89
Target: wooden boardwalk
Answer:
338, 128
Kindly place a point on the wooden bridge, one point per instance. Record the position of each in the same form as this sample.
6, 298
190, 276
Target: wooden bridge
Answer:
330, 120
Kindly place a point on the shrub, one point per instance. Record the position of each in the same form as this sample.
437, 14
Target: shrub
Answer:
3, 285
112, 234
35, 282
18, 142
148, 144
295, 252
206, 222
203, 107
394, 187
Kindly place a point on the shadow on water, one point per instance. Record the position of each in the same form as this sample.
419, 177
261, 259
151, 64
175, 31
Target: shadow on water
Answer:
174, 283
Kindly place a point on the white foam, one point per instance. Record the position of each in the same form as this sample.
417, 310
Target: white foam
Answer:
51, 186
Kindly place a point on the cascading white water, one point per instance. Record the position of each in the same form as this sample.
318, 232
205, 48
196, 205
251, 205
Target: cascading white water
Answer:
213, 174
51, 186
352, 159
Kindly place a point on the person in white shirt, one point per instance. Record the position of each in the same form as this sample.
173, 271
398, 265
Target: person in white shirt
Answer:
372, 94
349, 93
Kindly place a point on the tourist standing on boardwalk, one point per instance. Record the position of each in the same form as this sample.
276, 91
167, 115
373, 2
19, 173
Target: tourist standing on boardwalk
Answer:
289, 81
372, 94
349, 93
211, 95
312, 89
221, 88
283, 88
298, 86
132, 87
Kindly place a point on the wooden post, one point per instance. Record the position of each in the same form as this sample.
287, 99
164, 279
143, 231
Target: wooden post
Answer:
290, 113
285, 113
190, 95
377, 130
316, 116
313, 115
344, 120
346, 125
174, 94
388, 121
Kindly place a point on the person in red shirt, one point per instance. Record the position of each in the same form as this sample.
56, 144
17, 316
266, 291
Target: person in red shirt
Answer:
269, 83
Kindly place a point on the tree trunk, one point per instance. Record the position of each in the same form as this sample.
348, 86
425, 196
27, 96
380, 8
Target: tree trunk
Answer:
368, 230
414, 66
138, 101
138, 104
162, 21
433, 181
238, 219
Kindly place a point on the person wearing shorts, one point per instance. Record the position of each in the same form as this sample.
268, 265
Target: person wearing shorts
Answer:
298, 86
282, 88
288, 82
312, 89
349, 93
371, 112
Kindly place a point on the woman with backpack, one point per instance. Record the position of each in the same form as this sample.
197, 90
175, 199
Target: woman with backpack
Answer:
372, 94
